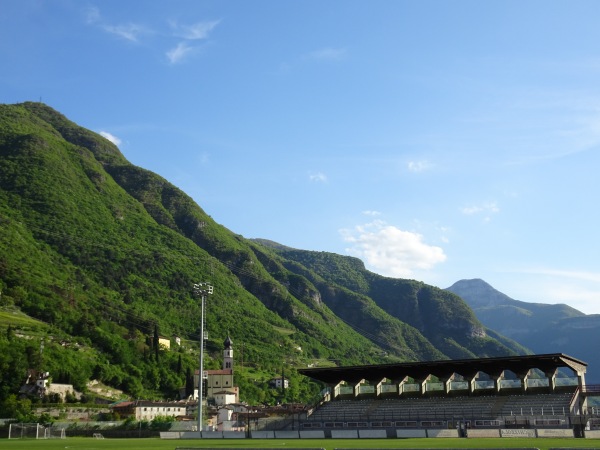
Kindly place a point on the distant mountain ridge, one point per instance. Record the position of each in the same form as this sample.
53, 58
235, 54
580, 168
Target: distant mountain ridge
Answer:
544, 328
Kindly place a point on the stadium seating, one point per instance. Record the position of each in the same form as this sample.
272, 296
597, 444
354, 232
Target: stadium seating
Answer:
442, 408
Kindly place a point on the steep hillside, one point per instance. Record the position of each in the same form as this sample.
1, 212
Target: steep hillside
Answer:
106, 253
360, 295
544, 328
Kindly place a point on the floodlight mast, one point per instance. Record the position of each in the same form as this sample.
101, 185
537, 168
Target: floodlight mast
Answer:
201, 290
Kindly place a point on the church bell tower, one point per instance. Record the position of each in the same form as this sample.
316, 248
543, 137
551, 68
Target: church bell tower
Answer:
228, 354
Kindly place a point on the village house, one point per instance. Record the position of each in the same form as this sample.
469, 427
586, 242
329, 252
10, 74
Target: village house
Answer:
279, 382
164, 343
146, 410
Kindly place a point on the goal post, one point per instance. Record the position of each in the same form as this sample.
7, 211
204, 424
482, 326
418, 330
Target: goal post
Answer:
55, 433
26, 431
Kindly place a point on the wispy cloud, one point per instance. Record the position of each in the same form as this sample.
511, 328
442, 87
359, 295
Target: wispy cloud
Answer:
111, 137
190, 33
130, 31
92, 15
419, 166
487, 209
327, 54
133, 32
391, 251
371, 213
178, 53
196, 31
317, 177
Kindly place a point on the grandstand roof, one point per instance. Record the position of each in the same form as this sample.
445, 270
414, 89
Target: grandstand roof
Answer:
445, 368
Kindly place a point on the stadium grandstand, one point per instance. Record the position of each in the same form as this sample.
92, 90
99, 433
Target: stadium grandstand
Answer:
542, 394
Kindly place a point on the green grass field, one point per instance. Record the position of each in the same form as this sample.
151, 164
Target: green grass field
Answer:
328, 444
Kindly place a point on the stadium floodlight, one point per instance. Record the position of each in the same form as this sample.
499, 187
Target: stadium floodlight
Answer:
201, 290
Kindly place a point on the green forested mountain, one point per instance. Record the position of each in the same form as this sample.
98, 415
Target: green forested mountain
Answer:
101, 256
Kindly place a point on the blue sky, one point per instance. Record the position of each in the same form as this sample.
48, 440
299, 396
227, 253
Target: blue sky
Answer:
434, 140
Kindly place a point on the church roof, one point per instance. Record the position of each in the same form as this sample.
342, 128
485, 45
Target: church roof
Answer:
228, 342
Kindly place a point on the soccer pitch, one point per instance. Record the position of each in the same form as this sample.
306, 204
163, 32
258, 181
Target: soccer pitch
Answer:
327, 444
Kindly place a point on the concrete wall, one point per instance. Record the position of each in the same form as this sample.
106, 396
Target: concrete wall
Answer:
312, 434
592, 434
411, 433
262, 434
190, 435
489, 433
234, 434
212, 435
442, 433
552, 433
287, 434
344, 434
372, 434
170, 435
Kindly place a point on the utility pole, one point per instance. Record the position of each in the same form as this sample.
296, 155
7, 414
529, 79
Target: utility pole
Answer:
201, 290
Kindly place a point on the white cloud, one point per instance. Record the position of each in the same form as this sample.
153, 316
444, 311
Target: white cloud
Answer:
371, 213
111, 137
328, 54
487, 209
199, 30
92, 15
130, 31
193, 32
178, 53
418, 166
391, 251
318, 177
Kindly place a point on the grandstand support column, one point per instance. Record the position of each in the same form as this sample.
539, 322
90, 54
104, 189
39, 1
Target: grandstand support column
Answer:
448, 383
551, 375
497, 377
357, 388
581, 378
423, 384
336, 390
498, 382
378, 389
523, 376
401, 384
472, 381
